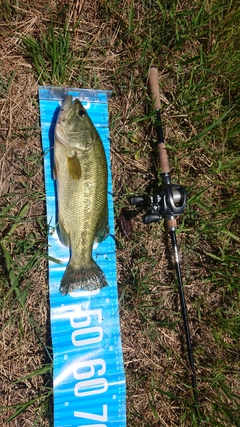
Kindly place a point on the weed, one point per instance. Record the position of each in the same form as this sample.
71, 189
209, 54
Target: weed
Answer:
111, 44
51, 55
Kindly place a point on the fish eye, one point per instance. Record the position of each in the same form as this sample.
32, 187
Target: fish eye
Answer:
81, 113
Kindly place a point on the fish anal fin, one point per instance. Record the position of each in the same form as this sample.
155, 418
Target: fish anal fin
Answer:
63, 234
74, 166
103, 228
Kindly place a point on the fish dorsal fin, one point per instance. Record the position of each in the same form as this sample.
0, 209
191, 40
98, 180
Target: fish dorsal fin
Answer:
74, 166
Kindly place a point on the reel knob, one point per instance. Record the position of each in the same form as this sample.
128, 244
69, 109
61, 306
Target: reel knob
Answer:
136, 200
150, 217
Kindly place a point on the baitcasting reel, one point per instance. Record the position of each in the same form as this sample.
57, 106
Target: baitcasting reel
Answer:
169, 203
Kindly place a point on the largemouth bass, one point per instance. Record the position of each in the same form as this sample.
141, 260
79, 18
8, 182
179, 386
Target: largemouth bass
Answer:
80, 169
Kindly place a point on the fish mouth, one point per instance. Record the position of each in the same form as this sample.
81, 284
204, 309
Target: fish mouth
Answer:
76, 106
67, 103
70, 109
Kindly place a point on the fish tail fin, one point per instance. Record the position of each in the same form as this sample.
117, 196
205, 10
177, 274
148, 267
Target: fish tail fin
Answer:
85, 278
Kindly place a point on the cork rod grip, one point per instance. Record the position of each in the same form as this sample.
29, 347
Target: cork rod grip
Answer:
163, 158
154, 87
170, 224
154, 90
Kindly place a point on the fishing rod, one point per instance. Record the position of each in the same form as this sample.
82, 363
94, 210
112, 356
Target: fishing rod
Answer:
170, 202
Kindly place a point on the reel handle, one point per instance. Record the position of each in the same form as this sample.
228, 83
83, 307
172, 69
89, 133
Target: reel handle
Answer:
154, 91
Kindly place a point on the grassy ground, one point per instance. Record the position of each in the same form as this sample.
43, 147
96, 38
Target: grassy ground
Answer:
110, 44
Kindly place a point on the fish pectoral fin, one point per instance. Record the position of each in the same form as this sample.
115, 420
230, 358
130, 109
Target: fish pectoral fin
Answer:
103, 228
55, 169
63, 235
74, 166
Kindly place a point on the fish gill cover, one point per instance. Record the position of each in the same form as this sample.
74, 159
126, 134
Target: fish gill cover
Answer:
88, 372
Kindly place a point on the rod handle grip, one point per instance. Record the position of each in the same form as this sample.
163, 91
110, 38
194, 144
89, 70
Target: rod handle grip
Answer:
154, 87
155, 94
170, 224
163, 158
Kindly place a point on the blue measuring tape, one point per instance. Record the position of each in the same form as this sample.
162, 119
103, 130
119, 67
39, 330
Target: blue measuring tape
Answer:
88, 372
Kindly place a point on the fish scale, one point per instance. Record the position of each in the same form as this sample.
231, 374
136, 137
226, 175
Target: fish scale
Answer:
71, 201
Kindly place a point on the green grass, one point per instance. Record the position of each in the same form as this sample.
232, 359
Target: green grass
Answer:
21, 257
51, 55
111, 45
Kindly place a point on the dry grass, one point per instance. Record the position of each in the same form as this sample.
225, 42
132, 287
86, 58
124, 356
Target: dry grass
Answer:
113, 44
